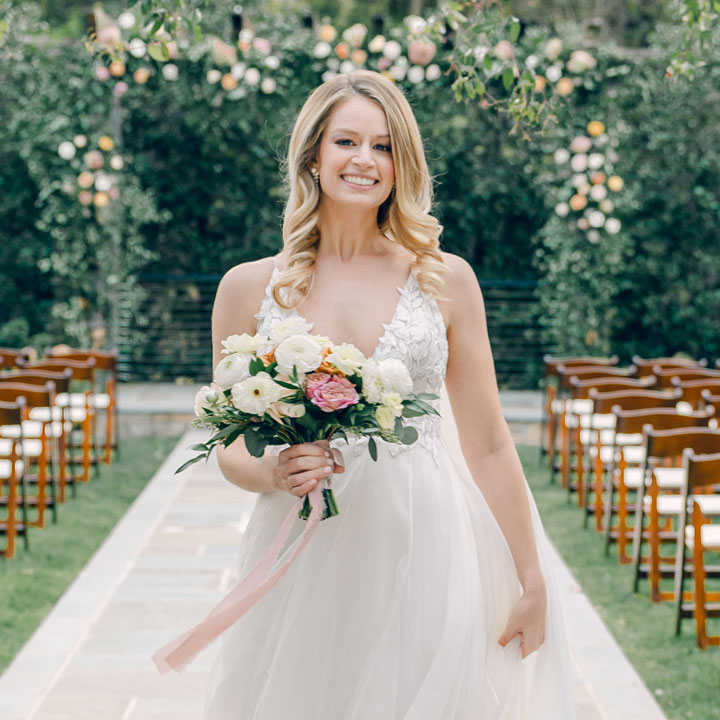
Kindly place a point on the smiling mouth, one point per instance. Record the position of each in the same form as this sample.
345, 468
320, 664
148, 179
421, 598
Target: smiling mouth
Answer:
359, 182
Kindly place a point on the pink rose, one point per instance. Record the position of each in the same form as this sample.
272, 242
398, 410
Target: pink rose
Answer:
332, 394
313, 381
421, 52
383, 64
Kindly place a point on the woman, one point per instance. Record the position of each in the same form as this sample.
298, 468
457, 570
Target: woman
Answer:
426, 598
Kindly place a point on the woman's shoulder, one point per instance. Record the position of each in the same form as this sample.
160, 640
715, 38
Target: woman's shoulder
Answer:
247, 278
461, 280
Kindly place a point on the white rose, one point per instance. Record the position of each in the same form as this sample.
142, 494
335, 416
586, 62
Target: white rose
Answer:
245, 344
346, 358
377, 44
395, 377
285, 328
256, 394
300, 351
252, 76
392, 50
393, 402
205, 399
233, 369
432, 72
385, 417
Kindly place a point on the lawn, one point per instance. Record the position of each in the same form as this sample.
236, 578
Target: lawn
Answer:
683, 678
33, 581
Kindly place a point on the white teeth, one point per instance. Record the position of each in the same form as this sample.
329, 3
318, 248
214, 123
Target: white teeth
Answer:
358, 180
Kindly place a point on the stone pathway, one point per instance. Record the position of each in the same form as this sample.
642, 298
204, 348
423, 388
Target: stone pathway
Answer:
166, 563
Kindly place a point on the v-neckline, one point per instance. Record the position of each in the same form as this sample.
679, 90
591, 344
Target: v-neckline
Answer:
386, 326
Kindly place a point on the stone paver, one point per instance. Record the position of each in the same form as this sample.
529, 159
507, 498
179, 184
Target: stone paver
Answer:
167, 562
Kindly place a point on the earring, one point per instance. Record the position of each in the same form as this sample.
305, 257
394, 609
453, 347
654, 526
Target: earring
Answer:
316, 175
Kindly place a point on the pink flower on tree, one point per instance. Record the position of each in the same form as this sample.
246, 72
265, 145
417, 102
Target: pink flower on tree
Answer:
330, 393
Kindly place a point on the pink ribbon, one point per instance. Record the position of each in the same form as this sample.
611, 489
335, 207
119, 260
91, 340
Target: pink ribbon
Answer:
259, 580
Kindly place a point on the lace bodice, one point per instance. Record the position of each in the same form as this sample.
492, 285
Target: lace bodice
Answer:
415, 335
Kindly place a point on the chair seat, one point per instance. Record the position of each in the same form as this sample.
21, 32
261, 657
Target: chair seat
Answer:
6, 466
709, 536
598, 421
72, 414
634, 454
668, 478
672, 504
589, 437
33, 429
97, 400
32, 447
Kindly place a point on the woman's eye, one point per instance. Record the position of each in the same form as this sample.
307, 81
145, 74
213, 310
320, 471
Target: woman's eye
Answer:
385, 148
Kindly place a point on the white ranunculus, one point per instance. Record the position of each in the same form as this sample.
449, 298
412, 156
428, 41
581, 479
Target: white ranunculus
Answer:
598, 192
205, 399
561, 156
392, 50
170, 72
553, 73
80, 141
393, 401
299, 351
432, 72
385, 417
255, 394
116, 162
232, 369
137, 47
126, 20
252, 76
268, 85
243, 343
579, 162
328, 75
237, 70
103, 182
347, 66
346, 358
596, 218
416, 74
283, 329
562, 209
581, 144
324, 340
213, 76
612, 225
66, 150
272, 62
377, 44
322, 50
415, 24
596, 160
398, 72
355, 34
553, 48
383, 376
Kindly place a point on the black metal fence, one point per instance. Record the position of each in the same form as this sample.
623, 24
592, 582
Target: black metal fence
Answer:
167, 335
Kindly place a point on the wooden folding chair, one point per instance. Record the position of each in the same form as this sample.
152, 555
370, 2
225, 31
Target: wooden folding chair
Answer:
627, 471
711, 398
646, 366
698, 500
103, 397
665, 376
12, 476
578, 415
40, 447
9, 357
550, 387
600, 441
692, 390
82, 371
663, 446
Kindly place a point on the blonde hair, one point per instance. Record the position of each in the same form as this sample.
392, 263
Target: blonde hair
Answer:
403, 217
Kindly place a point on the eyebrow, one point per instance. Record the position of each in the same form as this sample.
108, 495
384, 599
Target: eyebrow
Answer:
347, 131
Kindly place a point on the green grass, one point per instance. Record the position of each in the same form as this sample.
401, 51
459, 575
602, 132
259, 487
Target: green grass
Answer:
683, 678
33, 581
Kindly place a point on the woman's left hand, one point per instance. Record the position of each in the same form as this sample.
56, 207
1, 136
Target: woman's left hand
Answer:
527, 620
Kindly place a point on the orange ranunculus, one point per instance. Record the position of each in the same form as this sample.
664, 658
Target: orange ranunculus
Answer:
578, 202
117, 68
564, 86
615, 183
326, 367
595, 128
597, 178
106, 143
342, 50
540, 83
268, 358
228, 82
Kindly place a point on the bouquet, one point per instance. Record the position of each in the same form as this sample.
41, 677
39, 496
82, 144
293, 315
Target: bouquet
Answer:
293, 387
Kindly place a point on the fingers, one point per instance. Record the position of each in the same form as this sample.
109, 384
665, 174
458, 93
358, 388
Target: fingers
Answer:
300, 467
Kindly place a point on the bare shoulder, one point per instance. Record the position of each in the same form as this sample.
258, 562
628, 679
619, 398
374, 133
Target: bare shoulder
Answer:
462, 287
237, 299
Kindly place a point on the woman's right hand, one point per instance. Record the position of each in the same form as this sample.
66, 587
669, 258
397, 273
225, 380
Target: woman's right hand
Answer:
300, 467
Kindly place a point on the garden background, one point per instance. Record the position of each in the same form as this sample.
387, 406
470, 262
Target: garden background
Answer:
592, 215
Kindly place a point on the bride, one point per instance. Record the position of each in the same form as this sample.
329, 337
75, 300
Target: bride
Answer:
428, 597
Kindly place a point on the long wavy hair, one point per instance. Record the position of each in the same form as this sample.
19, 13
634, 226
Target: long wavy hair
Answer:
404, 217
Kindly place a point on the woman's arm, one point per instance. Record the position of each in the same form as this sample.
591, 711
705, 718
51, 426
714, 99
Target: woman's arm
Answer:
237, 299
487, 444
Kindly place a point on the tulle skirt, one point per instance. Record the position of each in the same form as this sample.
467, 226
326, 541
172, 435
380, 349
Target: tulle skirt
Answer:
393, 610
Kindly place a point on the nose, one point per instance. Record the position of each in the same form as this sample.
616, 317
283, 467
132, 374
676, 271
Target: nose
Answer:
363, 156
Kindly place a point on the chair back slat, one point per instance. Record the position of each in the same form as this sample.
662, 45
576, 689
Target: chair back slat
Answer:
40, 377
634, 421
665, 375
645, 366
603, 402
35, 395
588, 372
104, 359
702, 470
670, 443
550, 363
9, 356
81, 369
580, 388
692, 389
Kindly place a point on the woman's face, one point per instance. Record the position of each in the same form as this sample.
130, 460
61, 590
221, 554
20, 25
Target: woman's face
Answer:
355, 158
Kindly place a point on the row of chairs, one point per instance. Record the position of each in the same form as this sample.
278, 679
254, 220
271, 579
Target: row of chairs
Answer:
639, 448
58, 420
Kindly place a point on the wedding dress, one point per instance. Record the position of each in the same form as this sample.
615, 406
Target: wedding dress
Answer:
393, 609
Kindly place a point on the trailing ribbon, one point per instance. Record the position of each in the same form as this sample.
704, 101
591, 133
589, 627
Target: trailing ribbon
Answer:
259, 580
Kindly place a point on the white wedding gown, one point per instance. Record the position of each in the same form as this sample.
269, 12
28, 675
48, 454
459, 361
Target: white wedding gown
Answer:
394, 608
